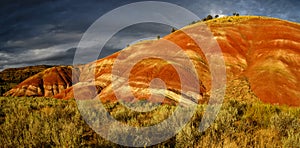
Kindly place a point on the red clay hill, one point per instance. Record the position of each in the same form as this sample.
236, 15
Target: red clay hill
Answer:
12, 76
261, 55
47, 83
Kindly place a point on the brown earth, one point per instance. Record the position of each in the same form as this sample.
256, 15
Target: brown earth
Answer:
262, 58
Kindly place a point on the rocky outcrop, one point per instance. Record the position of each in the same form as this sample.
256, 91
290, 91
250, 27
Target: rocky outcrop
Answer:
47, 83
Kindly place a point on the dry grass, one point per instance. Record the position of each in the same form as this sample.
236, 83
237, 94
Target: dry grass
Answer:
36, 122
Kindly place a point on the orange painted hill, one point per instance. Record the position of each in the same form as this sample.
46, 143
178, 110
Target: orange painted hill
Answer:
264, 52
262, 58
47, 83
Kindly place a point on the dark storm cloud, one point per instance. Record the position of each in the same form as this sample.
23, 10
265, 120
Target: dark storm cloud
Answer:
25, 20
65, 57
47, 32
133, 33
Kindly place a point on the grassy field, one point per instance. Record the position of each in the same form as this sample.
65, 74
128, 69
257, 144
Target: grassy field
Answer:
36, 122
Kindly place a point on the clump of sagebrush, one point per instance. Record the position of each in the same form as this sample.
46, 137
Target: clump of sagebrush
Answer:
36, 122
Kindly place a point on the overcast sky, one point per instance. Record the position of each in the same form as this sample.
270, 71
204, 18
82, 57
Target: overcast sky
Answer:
34, 32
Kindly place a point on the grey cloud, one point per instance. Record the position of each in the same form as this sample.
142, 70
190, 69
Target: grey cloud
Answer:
47, 32
44, 40
65, 57
137, 32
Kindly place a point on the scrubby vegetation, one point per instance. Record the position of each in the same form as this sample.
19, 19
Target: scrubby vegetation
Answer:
36, 122
210, 17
